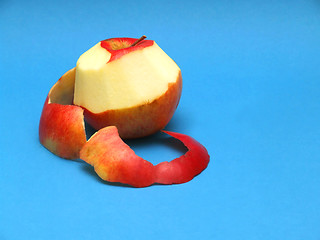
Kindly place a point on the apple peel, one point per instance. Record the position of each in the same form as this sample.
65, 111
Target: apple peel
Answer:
61, 128
186, 167
115, 161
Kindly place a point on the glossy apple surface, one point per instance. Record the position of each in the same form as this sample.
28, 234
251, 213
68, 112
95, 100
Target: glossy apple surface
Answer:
186, 167
135, 88
115, 161
61, 128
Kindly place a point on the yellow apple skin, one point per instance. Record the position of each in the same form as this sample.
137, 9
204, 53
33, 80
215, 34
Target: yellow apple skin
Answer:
61, 128
141, 120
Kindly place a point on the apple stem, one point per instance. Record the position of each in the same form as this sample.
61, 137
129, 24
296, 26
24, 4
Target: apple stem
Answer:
139, 40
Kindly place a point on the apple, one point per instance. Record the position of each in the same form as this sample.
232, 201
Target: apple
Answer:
128, 83
127, 88
61, 128
115, 161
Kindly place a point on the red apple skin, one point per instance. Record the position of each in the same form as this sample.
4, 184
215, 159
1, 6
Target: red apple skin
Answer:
115, 161
186, 167
112, 45
61, 128
142, 120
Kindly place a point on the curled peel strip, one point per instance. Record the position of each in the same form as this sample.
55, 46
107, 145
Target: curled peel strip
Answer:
115, 161
62, 132
61, 128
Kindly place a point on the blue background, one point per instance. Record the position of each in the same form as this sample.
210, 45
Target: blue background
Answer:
251, 96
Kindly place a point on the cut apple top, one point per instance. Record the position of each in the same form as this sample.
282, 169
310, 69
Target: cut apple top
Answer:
136, 76
121, 46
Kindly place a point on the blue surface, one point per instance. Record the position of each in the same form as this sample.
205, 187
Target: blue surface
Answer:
251, 96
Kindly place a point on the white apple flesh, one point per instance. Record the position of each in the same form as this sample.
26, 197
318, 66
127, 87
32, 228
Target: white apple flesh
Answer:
109, 89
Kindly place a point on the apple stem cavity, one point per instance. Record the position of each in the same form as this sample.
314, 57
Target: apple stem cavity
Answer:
139, 40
